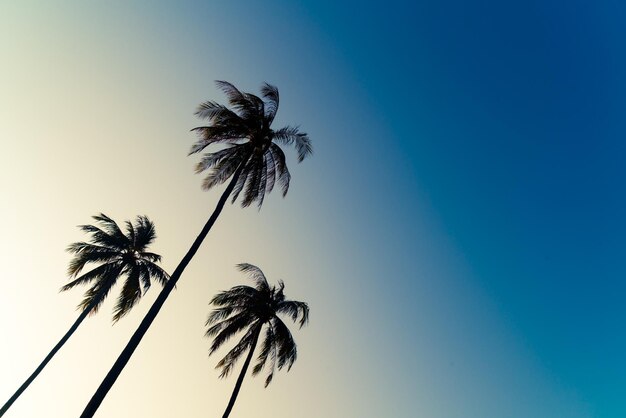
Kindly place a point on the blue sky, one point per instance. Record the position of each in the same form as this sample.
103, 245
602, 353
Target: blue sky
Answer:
458, 232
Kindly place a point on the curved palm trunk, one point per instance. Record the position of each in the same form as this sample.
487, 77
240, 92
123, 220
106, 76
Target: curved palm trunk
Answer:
134, 341
56, 348
233, 397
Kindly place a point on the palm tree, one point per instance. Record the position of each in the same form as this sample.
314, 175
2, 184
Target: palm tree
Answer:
250, 155
116, 254
250, 310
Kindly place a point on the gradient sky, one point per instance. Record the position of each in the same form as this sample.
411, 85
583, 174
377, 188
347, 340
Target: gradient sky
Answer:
458, 233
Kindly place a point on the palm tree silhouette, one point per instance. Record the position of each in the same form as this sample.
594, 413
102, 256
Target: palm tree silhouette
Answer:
250, 309
117, 254
253, 160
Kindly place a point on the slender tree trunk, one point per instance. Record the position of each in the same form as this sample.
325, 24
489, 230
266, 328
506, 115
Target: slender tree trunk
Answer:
56, 348
134, 341
233, 397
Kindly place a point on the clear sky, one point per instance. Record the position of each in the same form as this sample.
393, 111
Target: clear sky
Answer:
458, 233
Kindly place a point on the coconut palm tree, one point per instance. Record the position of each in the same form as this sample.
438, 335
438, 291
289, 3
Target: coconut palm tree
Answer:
116, 254
250, 156
251, 310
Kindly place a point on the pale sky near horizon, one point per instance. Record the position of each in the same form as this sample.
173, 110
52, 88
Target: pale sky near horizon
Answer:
458, 232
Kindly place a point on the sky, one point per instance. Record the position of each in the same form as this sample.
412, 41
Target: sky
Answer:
458, 232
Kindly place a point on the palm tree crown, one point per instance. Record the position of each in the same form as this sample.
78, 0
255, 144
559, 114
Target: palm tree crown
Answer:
250, 143
118, 254
250, 309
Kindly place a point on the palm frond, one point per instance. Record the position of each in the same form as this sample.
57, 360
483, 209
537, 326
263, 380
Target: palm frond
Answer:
129, 296
270, 171
252, 191
223, 312
291, 135
156, 272
226, 167
130, 233
101, 237
96, 294
241, 181
103, 278
144, 276
110, 227
294, 309
210, 159
235, 296
267, 346
218, 134
262, 181
86, 253
230, 359
279, 295
287, 350
224, 330
259, 111
145, 232
216, 112
101, 273
246, 107
273, 356
270, 93
256, 275
80, 246
281, 167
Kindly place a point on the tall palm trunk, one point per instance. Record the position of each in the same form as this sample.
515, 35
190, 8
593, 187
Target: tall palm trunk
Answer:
56, 348
134, 341
233, 397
